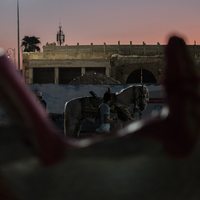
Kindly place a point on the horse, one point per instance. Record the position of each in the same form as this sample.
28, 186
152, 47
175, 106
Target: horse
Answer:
78, 109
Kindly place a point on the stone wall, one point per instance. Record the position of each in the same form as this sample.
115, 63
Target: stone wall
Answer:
107, 50
123, 66
119, 60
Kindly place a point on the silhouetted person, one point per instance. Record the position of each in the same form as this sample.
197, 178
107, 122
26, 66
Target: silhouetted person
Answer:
39, 96
105, 115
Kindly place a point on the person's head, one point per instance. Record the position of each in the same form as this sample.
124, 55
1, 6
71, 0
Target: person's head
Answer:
107, 97
39, 96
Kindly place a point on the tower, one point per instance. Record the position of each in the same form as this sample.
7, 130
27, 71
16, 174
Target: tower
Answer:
60, 36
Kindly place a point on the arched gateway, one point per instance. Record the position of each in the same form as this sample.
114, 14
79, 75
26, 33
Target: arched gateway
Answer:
141, 76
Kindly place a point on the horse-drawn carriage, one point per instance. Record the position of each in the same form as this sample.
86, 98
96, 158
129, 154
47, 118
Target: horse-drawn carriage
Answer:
78, 109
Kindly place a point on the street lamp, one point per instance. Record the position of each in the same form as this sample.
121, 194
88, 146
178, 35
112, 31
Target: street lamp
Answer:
18, 35
9, 52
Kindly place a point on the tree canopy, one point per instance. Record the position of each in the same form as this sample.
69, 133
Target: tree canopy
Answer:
30, 44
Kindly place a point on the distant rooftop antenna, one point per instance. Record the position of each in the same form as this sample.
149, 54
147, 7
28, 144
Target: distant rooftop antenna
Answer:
60, 36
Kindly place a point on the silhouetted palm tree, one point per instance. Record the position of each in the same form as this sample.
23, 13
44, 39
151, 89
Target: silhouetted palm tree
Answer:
30, 44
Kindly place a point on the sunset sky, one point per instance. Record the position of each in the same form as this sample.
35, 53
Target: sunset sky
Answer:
92, 21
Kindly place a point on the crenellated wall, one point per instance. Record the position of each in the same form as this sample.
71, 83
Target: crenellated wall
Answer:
119, 61
106, 50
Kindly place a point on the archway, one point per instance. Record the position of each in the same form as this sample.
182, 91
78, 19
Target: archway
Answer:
141, 76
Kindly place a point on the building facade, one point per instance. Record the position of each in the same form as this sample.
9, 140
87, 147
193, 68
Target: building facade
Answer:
125, 63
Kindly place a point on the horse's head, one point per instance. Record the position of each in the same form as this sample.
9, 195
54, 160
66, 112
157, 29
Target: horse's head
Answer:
142, 97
